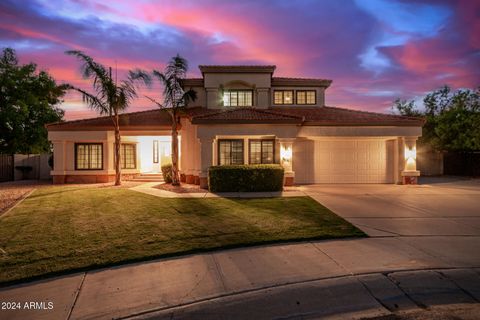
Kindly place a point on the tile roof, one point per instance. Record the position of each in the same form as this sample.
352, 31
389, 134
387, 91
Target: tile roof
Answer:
314, 82
334, 116
142, 120
321, 116
245, 115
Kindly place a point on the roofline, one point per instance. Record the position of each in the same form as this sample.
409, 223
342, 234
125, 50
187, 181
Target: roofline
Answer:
237, 69
300, 82
246, 121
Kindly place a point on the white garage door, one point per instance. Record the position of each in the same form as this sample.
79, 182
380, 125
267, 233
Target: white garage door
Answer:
343, 161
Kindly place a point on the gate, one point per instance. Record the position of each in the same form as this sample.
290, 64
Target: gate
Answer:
6, 167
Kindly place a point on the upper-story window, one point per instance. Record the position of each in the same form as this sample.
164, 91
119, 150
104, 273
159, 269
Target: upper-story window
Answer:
238, 98
306, 97
283, 97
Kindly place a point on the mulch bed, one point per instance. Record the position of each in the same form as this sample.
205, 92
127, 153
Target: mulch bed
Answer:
183, 188
11, 192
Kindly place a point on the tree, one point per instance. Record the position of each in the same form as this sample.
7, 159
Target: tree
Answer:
175, 99
28, 101
452, 118
110, 98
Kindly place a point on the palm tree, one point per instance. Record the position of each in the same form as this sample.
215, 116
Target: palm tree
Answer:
175, 99
110, 98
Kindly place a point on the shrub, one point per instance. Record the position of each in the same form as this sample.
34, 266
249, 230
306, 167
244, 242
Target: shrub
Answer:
245, 178
167, 172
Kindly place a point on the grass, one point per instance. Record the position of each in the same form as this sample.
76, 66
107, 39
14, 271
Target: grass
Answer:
64, 229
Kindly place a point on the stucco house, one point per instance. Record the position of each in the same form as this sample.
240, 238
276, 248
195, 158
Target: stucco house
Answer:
246, 115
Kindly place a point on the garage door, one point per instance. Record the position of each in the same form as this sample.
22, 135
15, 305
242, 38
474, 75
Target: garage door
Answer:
343, 161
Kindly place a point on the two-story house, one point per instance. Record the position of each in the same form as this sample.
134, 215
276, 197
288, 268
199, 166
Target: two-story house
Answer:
245, 115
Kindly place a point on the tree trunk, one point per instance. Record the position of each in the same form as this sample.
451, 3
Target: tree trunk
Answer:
118, 173
175, 175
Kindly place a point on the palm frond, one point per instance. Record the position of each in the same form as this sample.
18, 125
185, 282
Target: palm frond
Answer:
93, 102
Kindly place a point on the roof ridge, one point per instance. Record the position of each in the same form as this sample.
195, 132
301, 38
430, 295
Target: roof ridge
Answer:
376, 113
101, 117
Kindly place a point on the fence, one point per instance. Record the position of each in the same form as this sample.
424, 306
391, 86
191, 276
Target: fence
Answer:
462, 163
6, 167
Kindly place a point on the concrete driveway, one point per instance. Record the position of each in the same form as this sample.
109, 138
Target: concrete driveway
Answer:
439, 207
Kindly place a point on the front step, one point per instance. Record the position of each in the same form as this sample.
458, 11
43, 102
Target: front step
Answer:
149, 177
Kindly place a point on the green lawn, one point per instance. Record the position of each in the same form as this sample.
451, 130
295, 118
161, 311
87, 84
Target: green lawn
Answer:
67, 228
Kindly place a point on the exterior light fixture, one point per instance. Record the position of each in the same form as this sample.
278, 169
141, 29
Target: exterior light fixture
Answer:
286, 154
410, 153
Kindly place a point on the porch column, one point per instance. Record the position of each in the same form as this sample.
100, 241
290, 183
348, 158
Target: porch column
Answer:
206, 160
410, 173
286, 160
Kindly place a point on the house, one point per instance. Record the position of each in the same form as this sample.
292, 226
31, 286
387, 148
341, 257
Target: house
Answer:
246, 115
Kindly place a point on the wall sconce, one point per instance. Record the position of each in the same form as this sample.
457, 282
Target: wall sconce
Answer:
410, 153
286, 154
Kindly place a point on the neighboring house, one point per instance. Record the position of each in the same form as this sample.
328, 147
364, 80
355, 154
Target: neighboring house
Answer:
245, 115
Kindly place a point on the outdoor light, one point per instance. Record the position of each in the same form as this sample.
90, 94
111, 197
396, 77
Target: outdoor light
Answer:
286, 153
226, 99
410, 153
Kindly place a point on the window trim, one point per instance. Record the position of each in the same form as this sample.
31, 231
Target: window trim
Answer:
76, 153
237, 91
230, 140
261, 150
134, 155
306, 104
283, 97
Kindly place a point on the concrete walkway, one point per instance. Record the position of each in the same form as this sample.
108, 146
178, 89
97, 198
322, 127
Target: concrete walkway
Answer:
149, 188
431, 260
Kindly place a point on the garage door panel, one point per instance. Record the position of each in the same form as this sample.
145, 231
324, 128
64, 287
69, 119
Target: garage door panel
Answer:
343, 161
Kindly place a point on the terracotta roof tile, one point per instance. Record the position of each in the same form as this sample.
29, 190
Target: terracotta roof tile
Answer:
149, 119
245, 115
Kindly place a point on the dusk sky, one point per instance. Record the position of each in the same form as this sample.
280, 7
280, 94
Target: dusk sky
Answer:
373, 50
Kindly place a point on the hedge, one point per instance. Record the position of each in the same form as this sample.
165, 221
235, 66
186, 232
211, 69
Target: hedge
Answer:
245, 178
167, 173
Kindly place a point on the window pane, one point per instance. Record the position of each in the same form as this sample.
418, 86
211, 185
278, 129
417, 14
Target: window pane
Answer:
237, 152
288, 97
127, 156
248, 98
224, 152
89, 156
278, 97
301, 97
255, 152
311, 97
233, 98
81, 157
230, 152
267, 152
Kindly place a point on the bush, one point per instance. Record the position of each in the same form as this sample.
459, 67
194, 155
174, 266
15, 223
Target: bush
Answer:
167, 172
245, 178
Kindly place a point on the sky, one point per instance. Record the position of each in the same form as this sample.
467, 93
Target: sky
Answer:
374, 50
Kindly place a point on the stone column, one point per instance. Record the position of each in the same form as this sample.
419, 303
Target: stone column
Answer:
410, 173
286, 160
206, 160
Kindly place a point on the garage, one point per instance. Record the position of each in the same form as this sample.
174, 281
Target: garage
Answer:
343, 161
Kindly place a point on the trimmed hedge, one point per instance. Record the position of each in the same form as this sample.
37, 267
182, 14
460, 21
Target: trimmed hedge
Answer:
245, 178
167, 173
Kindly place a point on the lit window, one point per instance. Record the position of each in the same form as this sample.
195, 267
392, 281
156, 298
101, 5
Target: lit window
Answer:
230, 152
283, 97
128, 156
238, 98
262, 151
155, 151
306, 97
88, 156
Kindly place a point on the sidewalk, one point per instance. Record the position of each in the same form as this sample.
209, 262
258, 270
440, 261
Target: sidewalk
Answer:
363, 277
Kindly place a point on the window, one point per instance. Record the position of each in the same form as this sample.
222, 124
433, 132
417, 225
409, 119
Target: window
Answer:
283, 97
88, 156
306, 97
230, 152
238, 98
262, 151
128, 156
